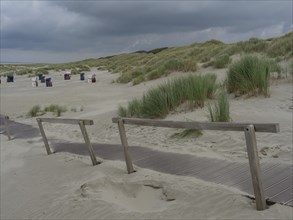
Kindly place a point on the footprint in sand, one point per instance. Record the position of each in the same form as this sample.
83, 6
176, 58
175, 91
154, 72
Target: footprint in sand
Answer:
137, 197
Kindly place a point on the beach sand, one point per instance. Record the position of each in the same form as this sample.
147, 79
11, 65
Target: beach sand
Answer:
66, 186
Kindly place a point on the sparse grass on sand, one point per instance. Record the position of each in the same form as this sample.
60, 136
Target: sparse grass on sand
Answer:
187, 133
36, 110
220, 111
55, 109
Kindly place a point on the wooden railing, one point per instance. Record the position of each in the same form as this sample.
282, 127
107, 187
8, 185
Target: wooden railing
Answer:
249, 130
80, 122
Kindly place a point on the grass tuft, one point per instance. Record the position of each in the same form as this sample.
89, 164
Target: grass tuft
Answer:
194, 133
220, 112
221, 61
251, 75
35, 111
56, 109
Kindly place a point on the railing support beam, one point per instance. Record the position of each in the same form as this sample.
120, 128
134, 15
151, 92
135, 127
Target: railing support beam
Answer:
125, 146
254, 166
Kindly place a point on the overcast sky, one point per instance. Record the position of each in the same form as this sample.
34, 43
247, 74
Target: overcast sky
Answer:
61, 31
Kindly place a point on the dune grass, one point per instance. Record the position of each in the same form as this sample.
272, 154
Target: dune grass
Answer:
187, 133
251, 76
160, 62
35, 111
158, 102
220, 111
221, 61
55, 109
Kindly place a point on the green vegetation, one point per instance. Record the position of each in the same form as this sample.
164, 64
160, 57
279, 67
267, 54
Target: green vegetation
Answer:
55, 109
194, 133
251, 75
220, 112
158, 102
221, 61
140, 66
35, 111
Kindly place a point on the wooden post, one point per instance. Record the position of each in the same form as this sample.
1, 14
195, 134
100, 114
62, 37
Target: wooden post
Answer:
44, 136
125, 146
255, 167
88, 143
6, 121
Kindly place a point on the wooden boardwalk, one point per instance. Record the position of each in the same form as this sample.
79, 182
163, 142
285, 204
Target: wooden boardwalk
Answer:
277, 177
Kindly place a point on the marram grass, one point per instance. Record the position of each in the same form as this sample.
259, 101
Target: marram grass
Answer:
251, 76
220, 111
158, 102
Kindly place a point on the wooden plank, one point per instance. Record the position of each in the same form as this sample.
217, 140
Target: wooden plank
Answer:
202, 165
44, 136
283, 196
282, 185
6, 121
289, 202
173, 163
272, 180
255, 167
209, 172
125, 146
237, 171
67, 121
88, 143
242, 180
224, 126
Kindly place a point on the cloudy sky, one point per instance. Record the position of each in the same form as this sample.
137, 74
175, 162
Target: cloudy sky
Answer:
59, 31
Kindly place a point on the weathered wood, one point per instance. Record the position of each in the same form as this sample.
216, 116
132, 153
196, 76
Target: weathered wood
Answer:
158, 161
44, 136
255, 167
224, 126
6, 121
67, 121
80, 122
88, 143
125, 146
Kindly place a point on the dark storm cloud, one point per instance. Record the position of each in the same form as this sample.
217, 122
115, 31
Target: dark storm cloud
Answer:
165, 17
101, 27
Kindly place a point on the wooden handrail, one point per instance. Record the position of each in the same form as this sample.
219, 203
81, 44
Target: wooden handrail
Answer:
80, 122
66, 121
222, 126
249, 130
